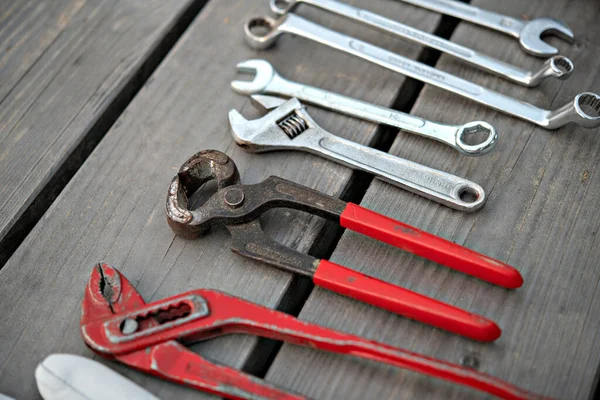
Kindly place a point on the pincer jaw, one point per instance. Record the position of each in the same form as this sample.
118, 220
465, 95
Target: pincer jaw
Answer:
202, 167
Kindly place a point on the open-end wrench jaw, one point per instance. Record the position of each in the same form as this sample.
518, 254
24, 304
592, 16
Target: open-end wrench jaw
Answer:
263, 74
282, 7
533, 31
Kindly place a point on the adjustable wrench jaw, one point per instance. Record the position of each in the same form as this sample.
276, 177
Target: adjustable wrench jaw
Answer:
284, 127
532, 32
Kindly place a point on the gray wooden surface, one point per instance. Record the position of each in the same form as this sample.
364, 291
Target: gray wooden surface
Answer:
541, 216
113, 209
63, 64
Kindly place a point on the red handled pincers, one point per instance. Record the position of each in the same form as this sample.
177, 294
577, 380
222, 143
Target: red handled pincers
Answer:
238, 207
117, 323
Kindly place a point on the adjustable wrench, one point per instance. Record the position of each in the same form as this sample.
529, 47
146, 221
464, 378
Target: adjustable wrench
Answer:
557, 67
584, 110
289, 127
268, 81
529, 33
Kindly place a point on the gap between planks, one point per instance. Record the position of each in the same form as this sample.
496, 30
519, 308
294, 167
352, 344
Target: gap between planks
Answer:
50, 191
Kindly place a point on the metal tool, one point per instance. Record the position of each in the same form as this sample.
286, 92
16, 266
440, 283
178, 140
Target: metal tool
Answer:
117, 323
267, 81
289, 127
529, 33
238, 207
556, 67
584, 110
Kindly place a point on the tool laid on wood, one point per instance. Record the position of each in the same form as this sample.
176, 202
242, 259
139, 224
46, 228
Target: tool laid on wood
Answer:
268, 81
556, 67
289, 127
584, 110
529, 33
238, 207
117, 323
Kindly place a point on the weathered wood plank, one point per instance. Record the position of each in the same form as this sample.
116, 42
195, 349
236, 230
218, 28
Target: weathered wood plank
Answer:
113, 209
64, 65
541, 217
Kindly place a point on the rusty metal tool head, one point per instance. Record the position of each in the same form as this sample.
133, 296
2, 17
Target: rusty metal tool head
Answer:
238, 207
117, 323
287, 126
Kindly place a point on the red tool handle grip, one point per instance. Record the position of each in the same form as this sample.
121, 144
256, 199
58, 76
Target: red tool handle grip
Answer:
401, 301
429, 246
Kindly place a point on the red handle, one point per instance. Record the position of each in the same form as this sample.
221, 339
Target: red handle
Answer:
429, 246
401, 301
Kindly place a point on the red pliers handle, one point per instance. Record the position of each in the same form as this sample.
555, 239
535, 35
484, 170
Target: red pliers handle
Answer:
145, 336
238, 207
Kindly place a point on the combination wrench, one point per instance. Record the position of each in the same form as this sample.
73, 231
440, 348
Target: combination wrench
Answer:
529, 33
289, 127
584, 110
268, 81
557, 67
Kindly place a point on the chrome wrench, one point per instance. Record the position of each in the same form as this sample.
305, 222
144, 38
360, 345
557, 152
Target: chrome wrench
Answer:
268, 81
529, 33
557, 67
584, 110
289, 127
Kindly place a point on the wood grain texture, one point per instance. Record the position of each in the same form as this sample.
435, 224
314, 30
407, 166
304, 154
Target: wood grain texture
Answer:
113, 209
62, 64
541, 217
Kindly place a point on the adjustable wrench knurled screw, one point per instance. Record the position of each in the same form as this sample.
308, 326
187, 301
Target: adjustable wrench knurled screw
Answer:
289, 127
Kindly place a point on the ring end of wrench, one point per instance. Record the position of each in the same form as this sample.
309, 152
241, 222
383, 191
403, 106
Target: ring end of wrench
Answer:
260, 32
560, 67
584, 111
473, 128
